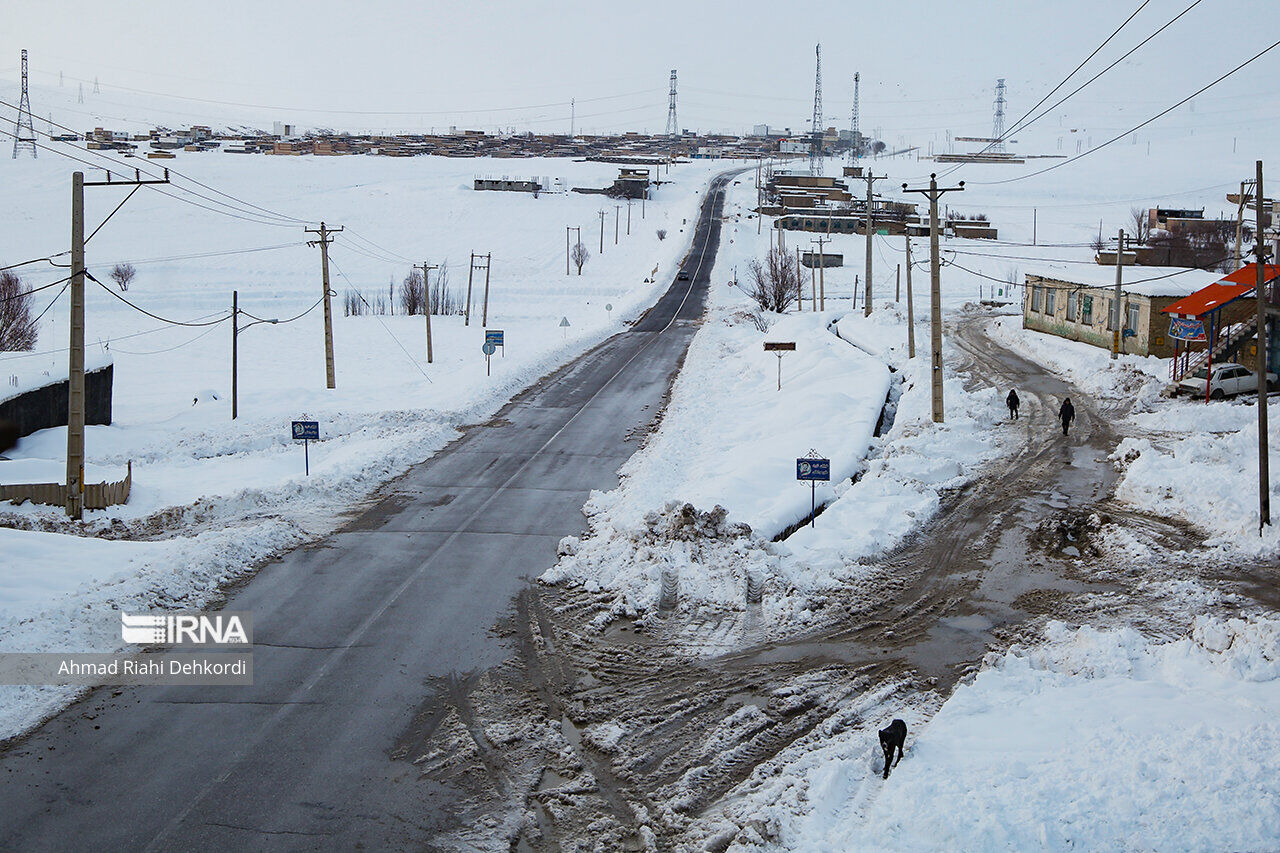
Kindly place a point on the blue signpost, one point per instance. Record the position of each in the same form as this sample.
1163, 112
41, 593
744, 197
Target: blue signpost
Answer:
813, 469
308, 431
495, 337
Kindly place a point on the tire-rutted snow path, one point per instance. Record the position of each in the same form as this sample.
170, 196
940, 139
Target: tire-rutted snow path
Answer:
349, 630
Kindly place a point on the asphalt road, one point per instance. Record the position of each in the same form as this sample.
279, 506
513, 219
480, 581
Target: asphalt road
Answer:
350, 632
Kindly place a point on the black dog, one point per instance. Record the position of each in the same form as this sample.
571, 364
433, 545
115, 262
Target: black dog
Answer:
892, 737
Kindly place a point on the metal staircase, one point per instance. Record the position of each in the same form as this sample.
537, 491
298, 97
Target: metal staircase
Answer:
1222, 350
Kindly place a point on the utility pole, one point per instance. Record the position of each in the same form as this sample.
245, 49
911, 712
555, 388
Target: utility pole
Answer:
617, 214
24, 132
236, 329
484, 316
326, 237
822, 266
1117, 339
602, 231
935, 288
471, 268
1245, 197
426, 300
75, 352
866, 303
567, 229
1264, 474
629, 217
911, 308
897, 284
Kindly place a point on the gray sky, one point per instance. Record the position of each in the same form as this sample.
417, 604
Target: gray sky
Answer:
926, 65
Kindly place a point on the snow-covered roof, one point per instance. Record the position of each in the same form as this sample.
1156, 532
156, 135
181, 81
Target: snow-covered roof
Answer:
1140, 281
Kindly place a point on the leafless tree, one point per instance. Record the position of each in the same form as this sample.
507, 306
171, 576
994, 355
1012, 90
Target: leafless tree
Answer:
579, 256
442, 300
352, 304
1141, 225
662, 233
775, 283
123, 274
17, 326
413, 295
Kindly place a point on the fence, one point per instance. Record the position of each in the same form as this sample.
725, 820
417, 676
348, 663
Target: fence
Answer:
96, 495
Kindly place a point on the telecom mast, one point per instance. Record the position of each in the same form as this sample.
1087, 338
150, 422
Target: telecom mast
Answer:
997, 125
855, 145
815, 146
673, 126
25, 140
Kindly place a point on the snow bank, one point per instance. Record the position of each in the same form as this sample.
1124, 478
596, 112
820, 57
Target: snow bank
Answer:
1096, 740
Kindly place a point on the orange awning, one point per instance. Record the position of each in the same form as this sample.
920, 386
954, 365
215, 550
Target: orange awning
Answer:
1227, 289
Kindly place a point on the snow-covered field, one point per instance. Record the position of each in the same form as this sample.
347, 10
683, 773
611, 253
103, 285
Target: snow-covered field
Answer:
222, 495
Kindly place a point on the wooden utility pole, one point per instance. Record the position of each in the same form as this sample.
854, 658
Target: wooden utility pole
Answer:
897, 284
629, 217
74, 502
1117, 337
617, 214
1241, 204
426, 300
866, 303
822, 267
911, 308
235, 355
567, 229
1264, 474
935, 290
602, 231
323, 242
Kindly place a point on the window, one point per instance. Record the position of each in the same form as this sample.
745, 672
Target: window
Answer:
1035, 299
1132, 322
1050, 301
1113, 312
1072, 298
1086, 310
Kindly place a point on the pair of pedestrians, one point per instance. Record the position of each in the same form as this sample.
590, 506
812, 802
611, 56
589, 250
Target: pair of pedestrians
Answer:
1066, 413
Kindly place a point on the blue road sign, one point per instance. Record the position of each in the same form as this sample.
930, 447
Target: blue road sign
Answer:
493, 336
813, 469
306, 429
488, 348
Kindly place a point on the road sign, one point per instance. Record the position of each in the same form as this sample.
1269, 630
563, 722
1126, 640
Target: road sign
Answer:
488, 348
564, 322
306, 430
493, 336
772, 346
813, 469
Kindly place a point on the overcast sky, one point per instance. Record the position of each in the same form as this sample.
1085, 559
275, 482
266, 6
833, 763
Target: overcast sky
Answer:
925, 65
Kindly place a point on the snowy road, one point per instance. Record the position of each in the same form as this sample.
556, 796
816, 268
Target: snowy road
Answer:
320, 749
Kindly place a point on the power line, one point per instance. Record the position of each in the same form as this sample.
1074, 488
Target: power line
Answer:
155, 316
357, 292
1141, 125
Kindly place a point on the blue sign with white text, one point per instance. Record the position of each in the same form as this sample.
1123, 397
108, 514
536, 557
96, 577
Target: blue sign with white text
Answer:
813, 469
493, 336
306, 429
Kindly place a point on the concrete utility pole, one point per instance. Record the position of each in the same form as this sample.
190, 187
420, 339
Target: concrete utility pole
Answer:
426, 300
617, 214
897, 284
911, 309
1245, 197
323, 242
935, 288
567, 229
1264, 474
629, 217
822, 266
866, 303
1117, 337
484, 316
75, 352
236, 329
602, 231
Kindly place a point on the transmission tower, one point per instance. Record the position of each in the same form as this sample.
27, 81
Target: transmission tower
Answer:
23, 140
855, 144
673, 126
997, 125
815, 146
96, 90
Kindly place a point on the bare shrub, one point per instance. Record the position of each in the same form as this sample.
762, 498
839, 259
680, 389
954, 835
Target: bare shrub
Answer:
775, 283
17, 325
122, 275
662, 233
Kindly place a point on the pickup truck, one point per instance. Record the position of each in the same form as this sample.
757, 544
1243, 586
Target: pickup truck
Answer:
1228, 379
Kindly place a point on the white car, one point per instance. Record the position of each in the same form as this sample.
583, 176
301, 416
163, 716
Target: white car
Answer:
1228, 379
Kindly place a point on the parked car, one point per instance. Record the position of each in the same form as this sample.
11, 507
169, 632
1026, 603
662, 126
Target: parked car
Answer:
1228, 379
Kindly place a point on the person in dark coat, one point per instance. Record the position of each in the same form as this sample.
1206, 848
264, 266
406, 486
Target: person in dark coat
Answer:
1066, 414
1012, 402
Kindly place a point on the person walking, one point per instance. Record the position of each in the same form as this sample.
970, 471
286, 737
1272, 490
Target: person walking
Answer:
1012, 402
1066, 414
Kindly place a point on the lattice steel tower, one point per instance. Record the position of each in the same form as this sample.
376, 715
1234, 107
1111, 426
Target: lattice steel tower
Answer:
673, 126
855, 145
997, 125
815, 145
25, 122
